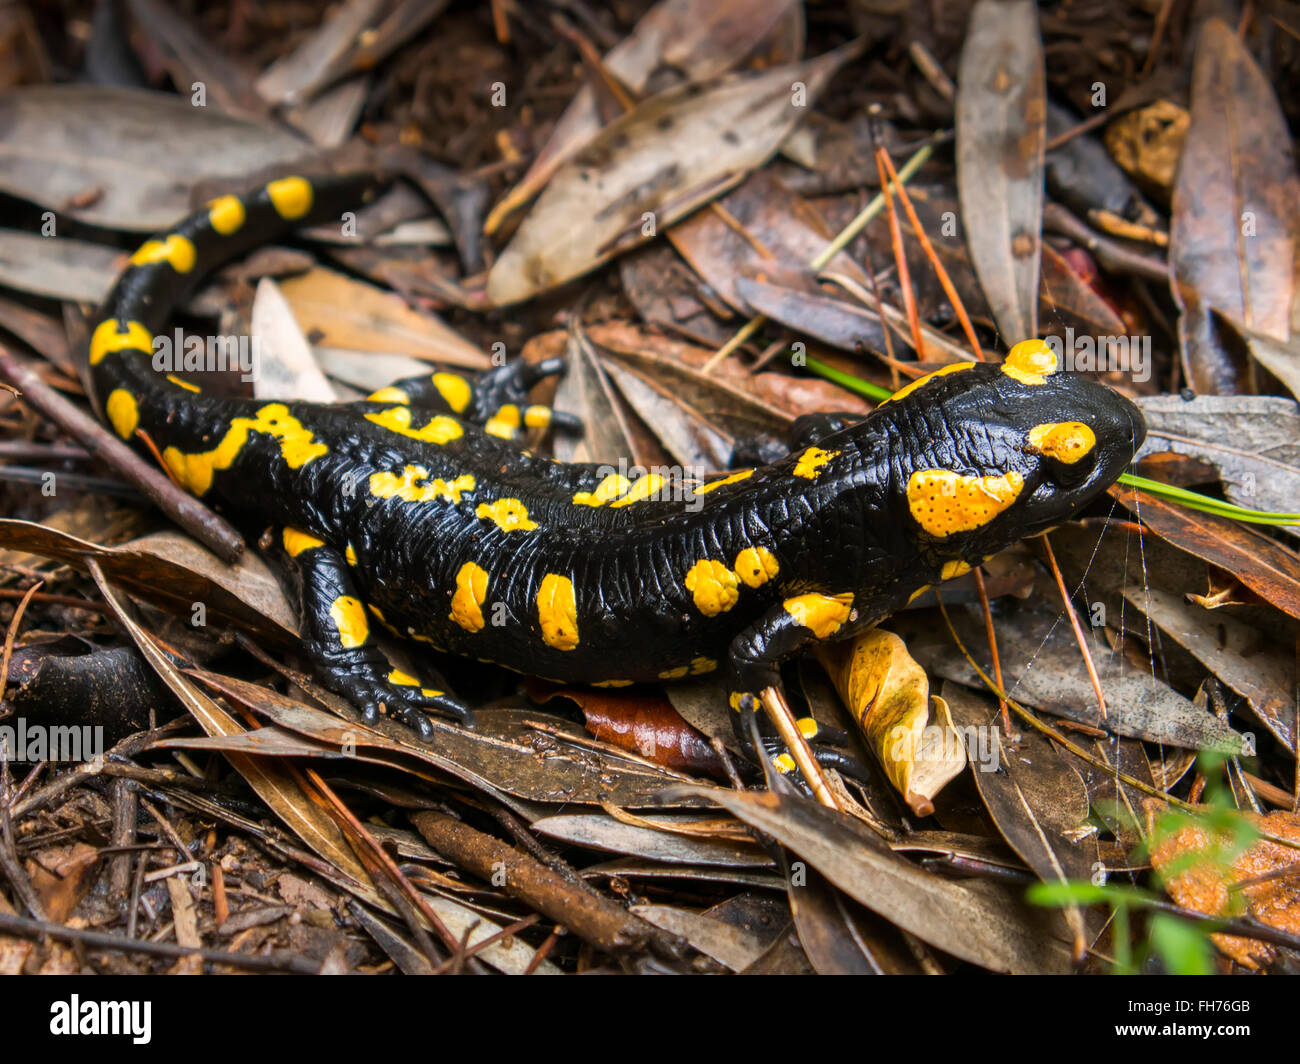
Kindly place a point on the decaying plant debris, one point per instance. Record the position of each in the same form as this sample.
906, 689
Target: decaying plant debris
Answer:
628, 186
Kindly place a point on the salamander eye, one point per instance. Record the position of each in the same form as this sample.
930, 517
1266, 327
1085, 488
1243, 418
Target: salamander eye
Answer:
1070, 448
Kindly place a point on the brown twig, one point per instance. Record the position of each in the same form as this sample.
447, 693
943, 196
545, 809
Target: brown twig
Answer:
212, 531
1074, 623
780, 715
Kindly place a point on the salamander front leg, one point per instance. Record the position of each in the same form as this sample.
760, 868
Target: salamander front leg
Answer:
336, 631
754, 659
807, 430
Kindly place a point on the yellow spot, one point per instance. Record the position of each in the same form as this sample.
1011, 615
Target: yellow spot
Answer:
537, 417
921, 382
414, 486
471, 593
824, 615
349, 618
808, 727
713, 586
122, 412
917, 593
944, 502
557, 610
504, 423
735, 478
953, 569
784, 764
174, 249
350, 555
642, 489
297, 447
226, 214
811, 462
756, 566
613, 683
182, 383
107, 338
454, 389
611, 487
290, 196
441, 429
389, 395
295, 542
510, 515
1030, 362
398, 678
735, 699
696, 667
1066, 441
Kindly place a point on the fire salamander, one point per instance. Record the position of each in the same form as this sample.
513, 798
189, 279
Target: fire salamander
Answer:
417, 510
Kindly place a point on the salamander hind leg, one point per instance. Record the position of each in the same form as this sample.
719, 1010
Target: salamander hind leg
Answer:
336, 631
753, 663
496, 400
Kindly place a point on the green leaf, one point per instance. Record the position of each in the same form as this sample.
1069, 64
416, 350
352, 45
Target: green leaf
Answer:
1184, 949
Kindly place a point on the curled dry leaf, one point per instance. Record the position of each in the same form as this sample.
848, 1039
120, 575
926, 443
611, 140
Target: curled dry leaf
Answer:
644, 722
671, 154
696, 39
889, 695
143, 152
1262, 564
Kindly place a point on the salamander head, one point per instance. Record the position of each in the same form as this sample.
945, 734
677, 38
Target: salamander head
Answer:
1009, 450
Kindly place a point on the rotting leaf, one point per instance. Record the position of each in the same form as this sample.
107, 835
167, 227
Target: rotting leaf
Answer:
503, 753
601, 832
1252, 440
1001, 133
644, 722
1250, 881
1042, 667
1232, 241
337, 311
1238, 654
760, 224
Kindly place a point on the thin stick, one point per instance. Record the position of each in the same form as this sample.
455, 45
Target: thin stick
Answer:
919, 158
900, 255
992, 634
212, 531
780, 715
1074, 623
939, 270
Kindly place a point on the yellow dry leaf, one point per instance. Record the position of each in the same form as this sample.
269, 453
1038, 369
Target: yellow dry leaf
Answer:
889, 695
